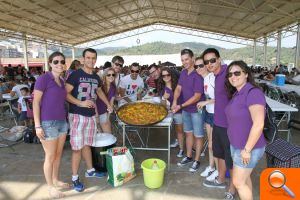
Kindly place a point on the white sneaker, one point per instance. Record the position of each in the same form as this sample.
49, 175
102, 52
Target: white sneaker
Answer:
213, 176
208, 171
174, 144
180, 154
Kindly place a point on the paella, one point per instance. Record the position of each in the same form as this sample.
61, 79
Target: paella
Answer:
142, 113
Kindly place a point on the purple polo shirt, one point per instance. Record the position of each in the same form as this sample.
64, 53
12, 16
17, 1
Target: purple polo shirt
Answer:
190, 84
53, 99
239, 117
221, 98
101, 106
171, 97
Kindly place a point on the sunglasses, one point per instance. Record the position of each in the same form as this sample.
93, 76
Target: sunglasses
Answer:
119, 64
165, 75
55, 62
133, 71
109, 75
212, 61
236, 73
199, 66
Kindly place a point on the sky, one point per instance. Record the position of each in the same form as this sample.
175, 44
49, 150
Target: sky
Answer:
172, 37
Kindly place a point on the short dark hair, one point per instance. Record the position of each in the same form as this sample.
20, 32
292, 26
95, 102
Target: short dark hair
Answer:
153, 65
117, 58
89, 50
187, 51
107, 65
25, 89
211, 50
54, 54
135, 64
74, 64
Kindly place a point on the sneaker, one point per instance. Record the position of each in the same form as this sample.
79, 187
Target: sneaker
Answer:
208, 171
78, 186
195, 166
184, 161
214, 184
174, 144
228, 195
180, 154
212, 176
95, 174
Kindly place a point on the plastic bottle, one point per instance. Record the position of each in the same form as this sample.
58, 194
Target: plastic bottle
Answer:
155, 165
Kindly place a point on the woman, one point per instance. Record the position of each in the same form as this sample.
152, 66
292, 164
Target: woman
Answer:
110, 90
166, 86
245, 114
207, 108
50, 120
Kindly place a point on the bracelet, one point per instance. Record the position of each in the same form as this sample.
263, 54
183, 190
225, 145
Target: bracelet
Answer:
38, 127
247, 150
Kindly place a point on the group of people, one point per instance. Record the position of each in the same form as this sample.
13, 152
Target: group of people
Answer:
207, 93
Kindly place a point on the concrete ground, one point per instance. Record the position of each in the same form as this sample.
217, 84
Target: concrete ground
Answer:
21, 176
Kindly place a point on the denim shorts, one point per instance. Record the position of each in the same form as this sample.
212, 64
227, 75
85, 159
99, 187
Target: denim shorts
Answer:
256, 155
177, 117
208, 118
193, 122
103, 118
54, 128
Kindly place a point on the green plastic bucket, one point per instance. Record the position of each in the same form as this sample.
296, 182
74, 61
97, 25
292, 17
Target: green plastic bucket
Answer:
153, 178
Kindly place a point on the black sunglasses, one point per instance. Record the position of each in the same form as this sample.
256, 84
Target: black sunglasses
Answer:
199, 66
212, 61
137, 71
113, 75
236, 73
119, 64
55, 62
166, 75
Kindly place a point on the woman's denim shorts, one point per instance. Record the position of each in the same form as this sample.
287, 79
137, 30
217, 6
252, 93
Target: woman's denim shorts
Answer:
256, 155
54, 128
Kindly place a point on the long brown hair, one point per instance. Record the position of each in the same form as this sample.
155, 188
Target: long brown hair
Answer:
105, 86
161, 83
229, 88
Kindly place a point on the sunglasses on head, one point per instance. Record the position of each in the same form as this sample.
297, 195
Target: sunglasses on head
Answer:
55, 62
212, 61
236, 73
113, 75
119, 64
165, 75
135, 71
199, 66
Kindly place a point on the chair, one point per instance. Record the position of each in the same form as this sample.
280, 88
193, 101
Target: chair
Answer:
294, 124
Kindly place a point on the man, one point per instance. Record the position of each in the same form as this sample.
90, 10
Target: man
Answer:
117, 63
82, 87
220, 142
153, 76
131, 85
190, 86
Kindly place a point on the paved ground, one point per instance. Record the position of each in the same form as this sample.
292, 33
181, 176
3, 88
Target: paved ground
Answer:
21, 177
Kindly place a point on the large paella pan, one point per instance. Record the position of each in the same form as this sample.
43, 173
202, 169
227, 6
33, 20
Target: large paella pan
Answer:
142, 113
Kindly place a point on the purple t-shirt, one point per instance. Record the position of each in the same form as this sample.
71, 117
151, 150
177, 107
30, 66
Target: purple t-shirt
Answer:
53, 99
190, 84
221, 98
239, 117
171, 97
101, 106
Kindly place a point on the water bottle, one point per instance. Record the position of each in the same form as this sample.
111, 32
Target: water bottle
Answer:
155, 165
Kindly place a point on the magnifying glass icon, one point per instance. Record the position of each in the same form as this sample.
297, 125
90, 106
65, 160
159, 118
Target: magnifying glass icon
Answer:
277, 180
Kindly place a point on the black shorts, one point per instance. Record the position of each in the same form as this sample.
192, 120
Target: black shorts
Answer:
221, 145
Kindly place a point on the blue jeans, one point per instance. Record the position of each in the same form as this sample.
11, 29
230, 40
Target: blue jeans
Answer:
193, 122
256, 155
54, 128
177, 117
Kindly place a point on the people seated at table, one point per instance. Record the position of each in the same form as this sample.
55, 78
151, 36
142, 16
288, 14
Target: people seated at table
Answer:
110, 91
166, 86
245, 114
190, 86
16, 90
207, 107
131, 85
